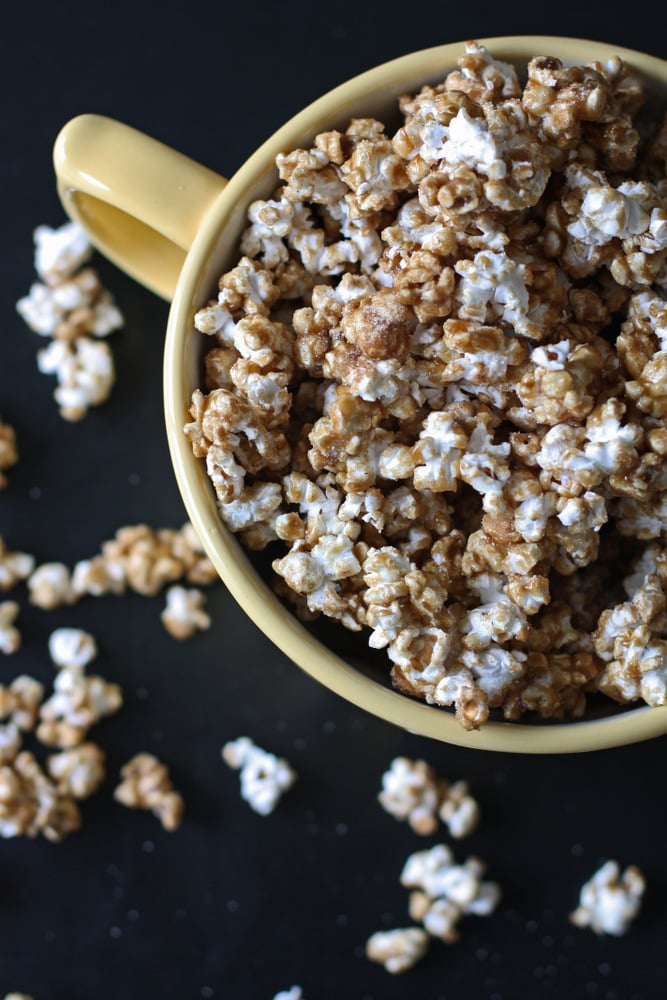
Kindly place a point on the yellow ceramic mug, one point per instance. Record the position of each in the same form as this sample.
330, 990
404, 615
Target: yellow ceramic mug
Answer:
174, 225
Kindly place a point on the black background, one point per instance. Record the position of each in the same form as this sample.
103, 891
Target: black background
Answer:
234, 905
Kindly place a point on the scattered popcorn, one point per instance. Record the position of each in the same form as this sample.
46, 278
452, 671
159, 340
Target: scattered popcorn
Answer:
264, 777
294, 993
146, 784
184, 613
17, 996
398, 950
610, 901
412, 791
10, 637
444, 892
138, 558
71, 307
416, 392
9, 455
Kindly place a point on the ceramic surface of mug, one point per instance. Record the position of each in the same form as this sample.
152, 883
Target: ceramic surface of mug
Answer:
175, 226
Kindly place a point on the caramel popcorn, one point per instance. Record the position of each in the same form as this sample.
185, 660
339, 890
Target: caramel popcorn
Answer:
10, 637
30, 803
412, 791
444, 892
14, 566
78, 700
146, 784
9, 455
436, 387
610, 900
138, 558
398, 950
184, 614
264, 777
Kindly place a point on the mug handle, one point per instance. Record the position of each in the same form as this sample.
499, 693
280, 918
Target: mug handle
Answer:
140, 202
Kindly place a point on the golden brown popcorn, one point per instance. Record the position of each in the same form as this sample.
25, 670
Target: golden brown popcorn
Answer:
146, 784
14, 566
398, 950
9, 455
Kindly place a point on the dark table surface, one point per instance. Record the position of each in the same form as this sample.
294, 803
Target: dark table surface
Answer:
234, 905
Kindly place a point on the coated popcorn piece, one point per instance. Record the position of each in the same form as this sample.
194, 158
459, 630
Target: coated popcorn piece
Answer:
482, 77
411, 791
79, 771
85, 372
59, 253
20, 701
72, 647
14, 566
631, 639
642, 345
78, 701
264, 777
444, 892
184, 613
30, 803
398, 950
50, 586
9, 455
10, 637
146, 784
610, 901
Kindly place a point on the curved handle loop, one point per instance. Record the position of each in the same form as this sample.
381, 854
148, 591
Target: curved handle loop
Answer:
140, 201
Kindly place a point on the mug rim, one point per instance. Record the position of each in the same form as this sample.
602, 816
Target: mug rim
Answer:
232, 563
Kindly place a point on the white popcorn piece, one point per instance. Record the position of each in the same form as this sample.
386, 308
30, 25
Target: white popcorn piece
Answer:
60, 252
184, 613
459, 810
610, 901
85, 371
10, 637
411, 791
294, 993
398, 950
264, 777
72, 648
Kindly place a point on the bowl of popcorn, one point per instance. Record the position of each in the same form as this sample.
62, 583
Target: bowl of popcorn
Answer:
416, 381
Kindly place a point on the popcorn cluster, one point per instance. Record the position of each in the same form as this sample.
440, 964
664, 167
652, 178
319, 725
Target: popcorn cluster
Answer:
412, 791
438, 381
442, 893
70, 307
139, 558
36, 799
